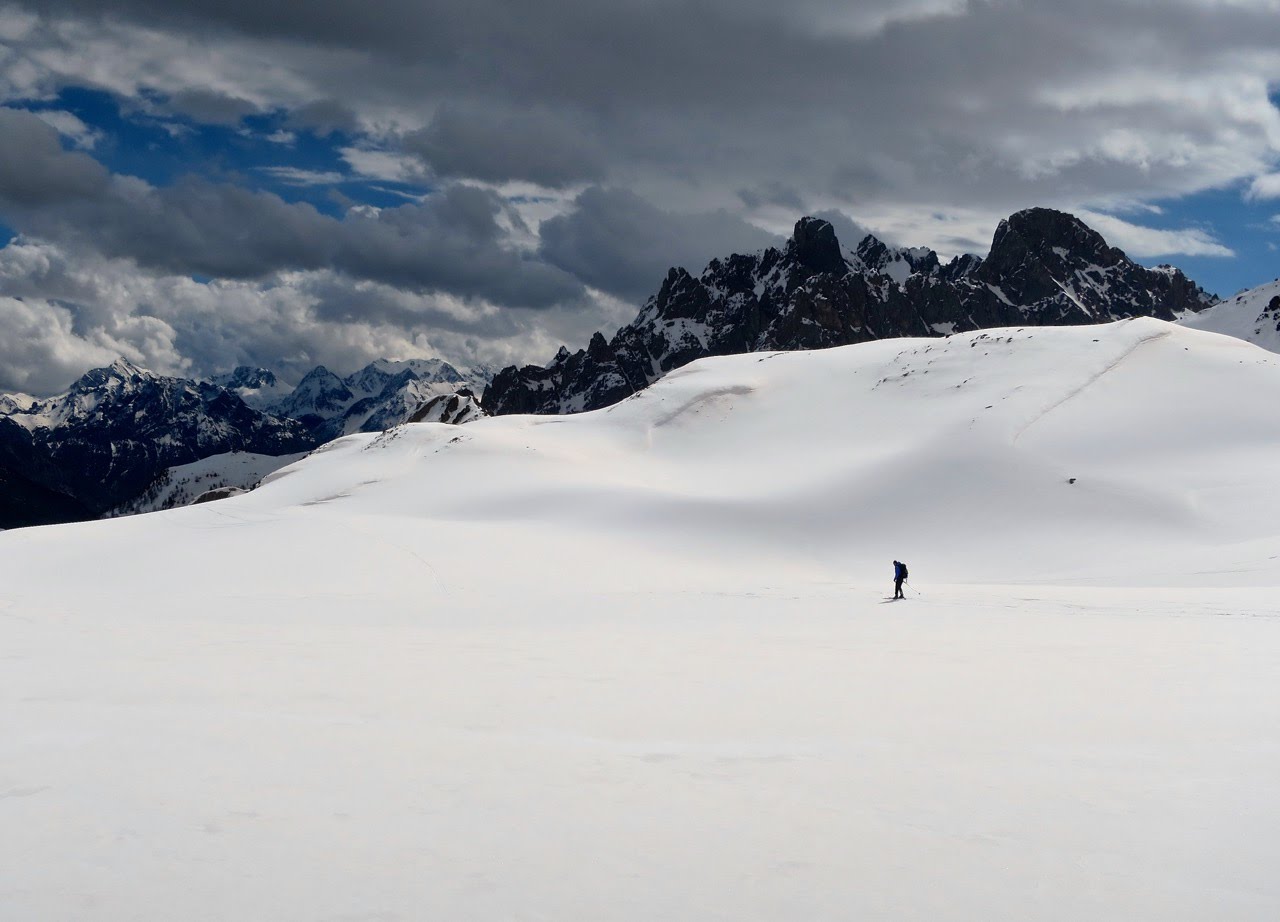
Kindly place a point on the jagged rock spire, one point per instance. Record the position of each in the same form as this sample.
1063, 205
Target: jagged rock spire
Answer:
814, 245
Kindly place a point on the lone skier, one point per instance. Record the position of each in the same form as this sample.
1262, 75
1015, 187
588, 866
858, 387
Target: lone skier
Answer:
899, 576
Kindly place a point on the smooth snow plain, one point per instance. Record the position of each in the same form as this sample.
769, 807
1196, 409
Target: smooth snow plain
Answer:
637, 664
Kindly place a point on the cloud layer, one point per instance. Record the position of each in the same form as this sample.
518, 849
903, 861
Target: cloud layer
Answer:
480, 175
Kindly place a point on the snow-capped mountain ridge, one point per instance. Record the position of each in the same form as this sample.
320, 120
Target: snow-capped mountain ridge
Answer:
118, 429
381, 394
1044, 267
109, 436
1252, 315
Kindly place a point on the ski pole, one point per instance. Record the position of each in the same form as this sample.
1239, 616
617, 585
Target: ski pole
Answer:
913, 588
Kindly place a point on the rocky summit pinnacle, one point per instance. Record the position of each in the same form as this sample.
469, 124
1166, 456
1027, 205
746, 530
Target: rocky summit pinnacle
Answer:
1045, 267
814, 245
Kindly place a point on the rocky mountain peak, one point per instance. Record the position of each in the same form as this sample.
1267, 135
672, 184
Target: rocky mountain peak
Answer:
246, 376
1046, 267
874, 255
456, 409
319, 373
120, 371
681, 295
1052, 236
814, 245
871, 250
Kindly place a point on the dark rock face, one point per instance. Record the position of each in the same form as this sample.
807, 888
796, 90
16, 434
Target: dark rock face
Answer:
24, 502
1270, 315
814, 246
1055, 264
247, 377
118, 428
1045, 267
454, 409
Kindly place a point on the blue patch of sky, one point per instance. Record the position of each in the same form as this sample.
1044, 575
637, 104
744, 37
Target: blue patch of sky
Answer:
147, 142
1241, 225
1229, 217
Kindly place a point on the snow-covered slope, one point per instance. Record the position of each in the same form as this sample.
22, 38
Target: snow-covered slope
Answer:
916, 443
16, 403
1252, 315
635, 664
181, 485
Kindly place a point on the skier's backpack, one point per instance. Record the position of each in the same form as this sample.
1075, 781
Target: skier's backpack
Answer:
904, 572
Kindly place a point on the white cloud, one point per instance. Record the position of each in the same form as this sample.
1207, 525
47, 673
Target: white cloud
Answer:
71, 127
870, 18
41, 353
386, 165
64, 313
1266, 186
294, 176
1137, 240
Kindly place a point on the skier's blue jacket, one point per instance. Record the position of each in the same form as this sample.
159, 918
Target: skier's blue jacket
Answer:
899, 570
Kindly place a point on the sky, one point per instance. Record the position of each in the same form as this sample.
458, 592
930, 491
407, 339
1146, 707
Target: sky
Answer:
195, 186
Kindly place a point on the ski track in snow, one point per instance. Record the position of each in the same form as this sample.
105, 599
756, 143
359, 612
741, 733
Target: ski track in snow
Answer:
1092, 379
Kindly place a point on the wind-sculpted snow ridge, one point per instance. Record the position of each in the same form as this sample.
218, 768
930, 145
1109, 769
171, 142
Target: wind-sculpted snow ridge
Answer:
1043, 433
1045, 267
639, 663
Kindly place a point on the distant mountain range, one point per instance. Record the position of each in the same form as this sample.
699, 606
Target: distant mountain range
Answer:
109, 441
1045, 268
378, 396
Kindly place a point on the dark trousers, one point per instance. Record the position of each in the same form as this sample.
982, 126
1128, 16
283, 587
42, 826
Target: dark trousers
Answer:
897, 589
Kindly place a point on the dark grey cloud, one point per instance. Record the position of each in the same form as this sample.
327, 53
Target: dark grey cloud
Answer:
451, 242
924, 120
210, 106
322, 116
772, 192
540, 146
36, 172
879, 105
848, 231
619, 243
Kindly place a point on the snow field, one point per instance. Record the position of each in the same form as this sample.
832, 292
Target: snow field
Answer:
637, 664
